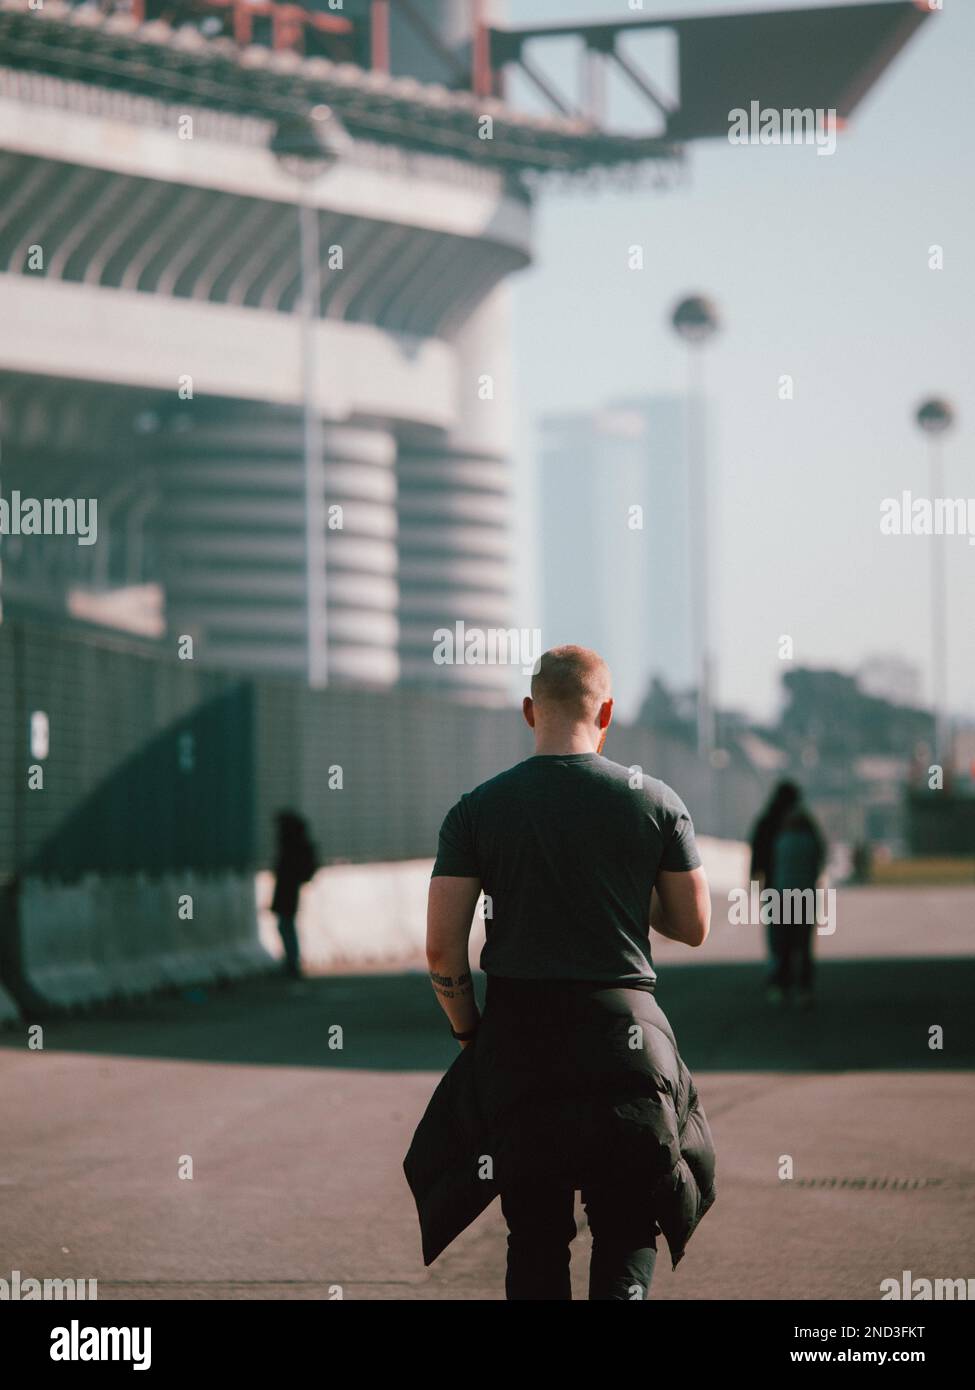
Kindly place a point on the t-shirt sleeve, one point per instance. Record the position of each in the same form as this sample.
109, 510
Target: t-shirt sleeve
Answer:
455, 847
680, 847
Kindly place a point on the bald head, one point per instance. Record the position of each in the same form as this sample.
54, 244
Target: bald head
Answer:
571, 686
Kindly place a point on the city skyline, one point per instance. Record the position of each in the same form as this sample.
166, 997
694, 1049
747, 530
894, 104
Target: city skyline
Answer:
815, 282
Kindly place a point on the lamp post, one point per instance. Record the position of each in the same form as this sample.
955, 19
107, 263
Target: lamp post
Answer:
934, 418
695, 321
305, 145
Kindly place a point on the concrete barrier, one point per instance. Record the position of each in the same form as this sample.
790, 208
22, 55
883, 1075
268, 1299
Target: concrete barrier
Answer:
119, 937
375, 914
355, 915
725, 862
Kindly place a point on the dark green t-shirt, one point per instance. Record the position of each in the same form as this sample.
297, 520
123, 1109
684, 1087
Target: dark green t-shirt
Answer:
567, 848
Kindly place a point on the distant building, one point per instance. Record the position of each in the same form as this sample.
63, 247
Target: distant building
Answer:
615, 541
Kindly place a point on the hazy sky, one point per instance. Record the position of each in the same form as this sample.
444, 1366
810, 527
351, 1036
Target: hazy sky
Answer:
819, 266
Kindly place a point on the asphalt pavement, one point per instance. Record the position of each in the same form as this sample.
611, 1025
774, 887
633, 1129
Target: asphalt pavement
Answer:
293, 1105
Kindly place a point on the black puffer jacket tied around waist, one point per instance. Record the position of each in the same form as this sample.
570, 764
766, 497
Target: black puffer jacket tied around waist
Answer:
566, 1083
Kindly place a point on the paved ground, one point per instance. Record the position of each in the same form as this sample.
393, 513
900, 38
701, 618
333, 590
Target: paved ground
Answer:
297, 1147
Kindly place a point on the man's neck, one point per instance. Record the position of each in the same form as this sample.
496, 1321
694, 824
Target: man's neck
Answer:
554, 745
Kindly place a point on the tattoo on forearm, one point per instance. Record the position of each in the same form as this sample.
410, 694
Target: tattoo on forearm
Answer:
448, 987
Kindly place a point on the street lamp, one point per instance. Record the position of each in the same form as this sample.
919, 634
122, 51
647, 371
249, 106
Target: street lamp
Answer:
695, 321
306, 144
934, 418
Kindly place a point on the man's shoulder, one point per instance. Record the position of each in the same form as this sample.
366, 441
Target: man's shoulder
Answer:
652, 789
487, 791
500, 782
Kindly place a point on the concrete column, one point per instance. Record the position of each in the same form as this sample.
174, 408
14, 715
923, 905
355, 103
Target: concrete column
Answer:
232, 541
454, 541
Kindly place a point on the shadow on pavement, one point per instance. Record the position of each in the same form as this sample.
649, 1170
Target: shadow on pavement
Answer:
870, 1015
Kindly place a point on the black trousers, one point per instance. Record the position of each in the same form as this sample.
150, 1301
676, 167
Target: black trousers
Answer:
288, 932
541, 1227
790, 954
556, 1071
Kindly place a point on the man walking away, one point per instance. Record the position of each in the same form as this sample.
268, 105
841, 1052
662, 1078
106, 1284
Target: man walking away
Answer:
575, 1066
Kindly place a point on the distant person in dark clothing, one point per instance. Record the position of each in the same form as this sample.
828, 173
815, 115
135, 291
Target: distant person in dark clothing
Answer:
862, 862
789, 855
296, 864
783, 800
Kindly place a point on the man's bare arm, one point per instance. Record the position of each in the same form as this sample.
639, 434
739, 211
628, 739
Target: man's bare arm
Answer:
450, 910
680, 906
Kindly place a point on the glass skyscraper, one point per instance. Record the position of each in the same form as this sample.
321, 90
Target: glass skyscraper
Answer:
616, 537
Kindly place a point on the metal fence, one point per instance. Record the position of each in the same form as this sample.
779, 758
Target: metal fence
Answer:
115, 760
153, 764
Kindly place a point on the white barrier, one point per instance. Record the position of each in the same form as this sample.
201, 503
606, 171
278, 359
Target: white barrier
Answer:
112, 937
375, 914
355, 914
725, 862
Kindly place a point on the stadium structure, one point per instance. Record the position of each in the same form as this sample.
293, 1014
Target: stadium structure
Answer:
255, 261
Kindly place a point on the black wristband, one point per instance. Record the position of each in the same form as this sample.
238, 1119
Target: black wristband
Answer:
464, 1037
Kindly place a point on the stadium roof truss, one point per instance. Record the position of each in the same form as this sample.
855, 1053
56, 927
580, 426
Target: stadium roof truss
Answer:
822, 58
